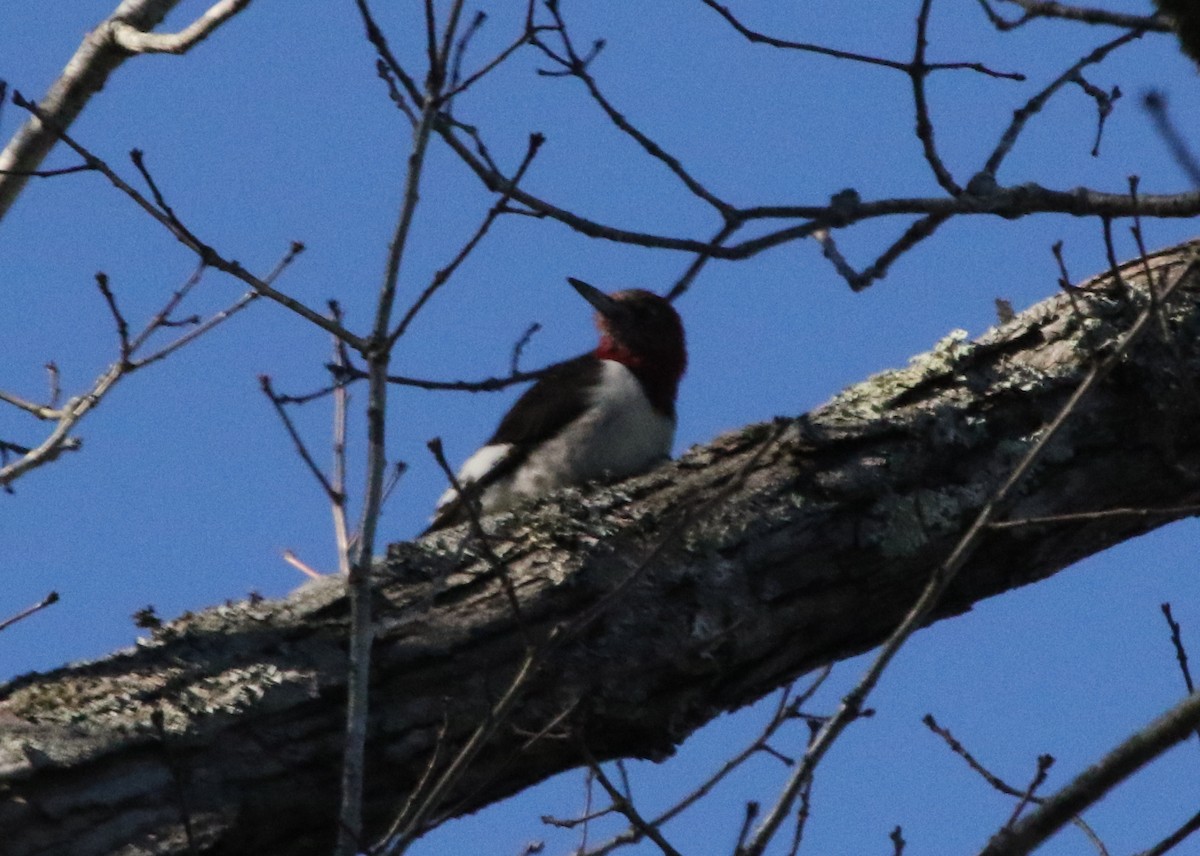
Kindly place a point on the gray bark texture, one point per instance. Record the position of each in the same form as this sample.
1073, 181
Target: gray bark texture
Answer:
656, 604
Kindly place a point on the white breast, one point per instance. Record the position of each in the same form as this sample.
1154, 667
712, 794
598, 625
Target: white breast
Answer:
620, 435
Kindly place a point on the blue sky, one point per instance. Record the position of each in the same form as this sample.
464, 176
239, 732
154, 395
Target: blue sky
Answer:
186, 490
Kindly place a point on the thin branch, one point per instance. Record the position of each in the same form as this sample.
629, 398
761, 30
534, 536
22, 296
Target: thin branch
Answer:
801, 818
48, 600
577, 66
693, 270
85, 74
1009, 202
443, 275
917, 72
292, 559
1105, 514
1105, 102
1044, 763
206, 253
748, 817
377, 351
761, 38
490, 384
1034, 105
1093, 783
1034, 9
622, 805
377, 39
1192, 824
999, 784
48, 173
409, 826
41, 411
916, 232
162, 319
302, 449
52, 381
514, 365
1180, 651
470, 505
341, 401
785, 710
526, 36
118, 319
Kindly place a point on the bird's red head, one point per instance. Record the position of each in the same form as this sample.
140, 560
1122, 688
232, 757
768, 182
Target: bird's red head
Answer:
644, 332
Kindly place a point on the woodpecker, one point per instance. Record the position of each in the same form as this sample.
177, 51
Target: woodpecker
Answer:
604, 416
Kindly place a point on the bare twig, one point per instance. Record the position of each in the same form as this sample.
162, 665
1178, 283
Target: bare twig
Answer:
917, 72
1035, 104
519, 348
208, 255
1044, 763
119, 319
408, 826
1192, 824
443, 275
1093, 783
1105, 514
264, 382
785, 710
52, 381
1105, 101
748, 817
1180, 651
624, 806
85, 74
48, 173
470, 506
761, 38
524, 38
48, 600
999, 784
300, 565
801, 818
577, 66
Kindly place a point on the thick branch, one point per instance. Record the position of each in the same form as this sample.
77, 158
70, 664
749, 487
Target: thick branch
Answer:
663, 617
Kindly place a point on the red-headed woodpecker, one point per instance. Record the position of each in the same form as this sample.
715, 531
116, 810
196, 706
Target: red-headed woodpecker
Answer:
605, 416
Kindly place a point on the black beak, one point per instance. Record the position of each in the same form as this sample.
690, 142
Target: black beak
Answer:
605, 305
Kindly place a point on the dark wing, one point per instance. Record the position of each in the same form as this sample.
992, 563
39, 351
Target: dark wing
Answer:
558, 398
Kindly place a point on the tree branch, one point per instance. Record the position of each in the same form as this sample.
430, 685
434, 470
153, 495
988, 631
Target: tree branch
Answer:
98, 56
136, 40
837, 513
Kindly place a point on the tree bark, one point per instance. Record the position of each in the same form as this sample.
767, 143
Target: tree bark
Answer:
655, 604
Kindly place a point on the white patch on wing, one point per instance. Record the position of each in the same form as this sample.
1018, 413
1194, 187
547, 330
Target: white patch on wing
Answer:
475, 468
